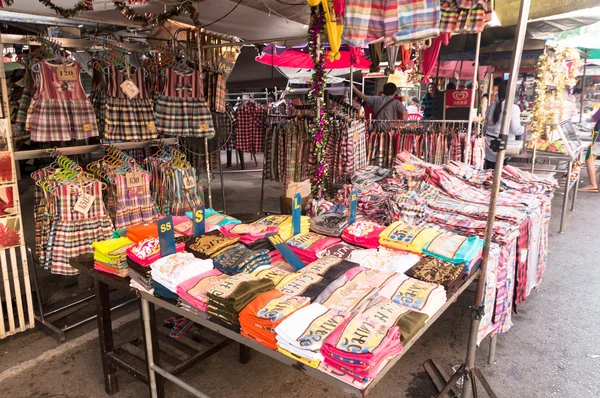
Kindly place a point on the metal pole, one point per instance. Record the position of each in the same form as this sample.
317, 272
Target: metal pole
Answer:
149, 351
207, 155
472, 104
351, 81
504, 129
582, 90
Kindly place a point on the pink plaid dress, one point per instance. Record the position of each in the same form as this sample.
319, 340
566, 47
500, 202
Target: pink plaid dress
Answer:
60, 110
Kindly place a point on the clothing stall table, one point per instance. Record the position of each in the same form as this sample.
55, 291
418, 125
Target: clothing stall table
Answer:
157, 372
185, 350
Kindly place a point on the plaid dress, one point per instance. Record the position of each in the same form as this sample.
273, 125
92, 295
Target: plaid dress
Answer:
181, 109
128, 119
60, 110
133, 205
98, 99
250, 125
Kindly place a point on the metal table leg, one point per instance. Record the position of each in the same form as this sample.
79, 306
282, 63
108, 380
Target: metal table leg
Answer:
576, 189
492, 354
105, 335
566, 198
149, 339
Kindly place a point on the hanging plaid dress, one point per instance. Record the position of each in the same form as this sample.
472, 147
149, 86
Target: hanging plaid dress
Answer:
60, 110
128, 118
72, 233
133, 205
181, 109
98, 98
25, 100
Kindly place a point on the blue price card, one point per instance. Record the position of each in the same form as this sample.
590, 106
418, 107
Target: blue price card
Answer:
296, 213
199, 222
286, 252
353, 203
166, 236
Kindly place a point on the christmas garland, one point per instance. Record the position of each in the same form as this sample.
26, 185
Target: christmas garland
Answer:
316, 94
149, 19
81, 6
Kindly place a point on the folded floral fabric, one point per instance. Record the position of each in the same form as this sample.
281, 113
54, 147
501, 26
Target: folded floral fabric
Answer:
383, 259
441, 272
304, 284
139, 232
283, 224
259, 319
193, 290
207, 245
363, 234
329, 267
237, 258
341, 250
401, 236
419, 296
454, 248
329, 224
307, 245
147, 251
172, 270
247, 233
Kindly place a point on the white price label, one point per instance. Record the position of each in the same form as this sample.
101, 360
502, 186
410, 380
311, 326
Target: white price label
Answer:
134, 180
67, 73
189, 182
84, 203
129, 89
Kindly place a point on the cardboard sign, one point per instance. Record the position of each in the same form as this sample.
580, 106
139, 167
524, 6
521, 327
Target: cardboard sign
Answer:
130, 89
296, 214
166, 236
353, 205
189, 182
134, 180
84, 203
286, 252
67, 73
458, 98
199, 222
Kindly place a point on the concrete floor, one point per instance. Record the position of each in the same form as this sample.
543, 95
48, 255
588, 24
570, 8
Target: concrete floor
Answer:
552, 349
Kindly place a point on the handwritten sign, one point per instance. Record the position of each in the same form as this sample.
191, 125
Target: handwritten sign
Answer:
84, 203
199, 221
353, 204
189, 182
134, 180
166, 236
67, 73
458, 98
286, 251
296, 213
130, 89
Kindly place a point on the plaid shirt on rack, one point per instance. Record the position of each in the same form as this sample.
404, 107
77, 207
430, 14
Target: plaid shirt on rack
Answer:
219, 103
418, 20
505, 285
250, 123
522, 255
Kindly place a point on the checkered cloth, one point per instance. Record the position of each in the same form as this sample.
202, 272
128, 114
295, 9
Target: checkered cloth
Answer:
98, 100
129, 119
133, 205
505, 284
24, 102
464, 16
250, 124
219, 96
61, 120
522, 255
183, 117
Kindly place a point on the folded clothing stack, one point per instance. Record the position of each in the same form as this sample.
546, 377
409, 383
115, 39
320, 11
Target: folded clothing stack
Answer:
207, 245
419, 296
363, 234
364, 341
383, 259
170, 271
329, 224
193, 291
283, 224
273, 273
237, 258
435, 270
302, 334
247, 233
260, 318
455, 248
233, 294
305, 284
341, 250
140, 232
412, 238
307, 245
213, 219
352, 291
110, 256
329, 267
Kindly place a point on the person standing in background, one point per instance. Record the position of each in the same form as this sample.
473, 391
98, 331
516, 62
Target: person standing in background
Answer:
429, 102
592, 153
414, 107
385, 107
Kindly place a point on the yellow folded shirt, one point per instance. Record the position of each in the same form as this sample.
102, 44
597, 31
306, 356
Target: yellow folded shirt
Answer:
312, 363
402, 236
113, 247
284, 224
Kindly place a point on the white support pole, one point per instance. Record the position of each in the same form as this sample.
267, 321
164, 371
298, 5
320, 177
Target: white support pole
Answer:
467, 152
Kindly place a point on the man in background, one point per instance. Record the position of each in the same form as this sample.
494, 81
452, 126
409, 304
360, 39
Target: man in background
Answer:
385, 107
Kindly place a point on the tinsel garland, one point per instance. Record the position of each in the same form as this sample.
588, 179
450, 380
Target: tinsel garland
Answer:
81, 6
149, 19
316, 94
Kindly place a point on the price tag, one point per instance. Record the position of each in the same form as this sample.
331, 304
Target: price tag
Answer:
296, 213
134, 180
151, 127
129, 89
353, 203
67, 73
84, 203
88, 127
199, 222
204, 127
189, 182
166, 236
286, 252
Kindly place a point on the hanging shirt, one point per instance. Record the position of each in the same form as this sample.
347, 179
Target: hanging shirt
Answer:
250, 124
493, 129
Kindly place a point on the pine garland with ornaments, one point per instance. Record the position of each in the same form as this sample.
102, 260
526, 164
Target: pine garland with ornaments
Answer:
81, 6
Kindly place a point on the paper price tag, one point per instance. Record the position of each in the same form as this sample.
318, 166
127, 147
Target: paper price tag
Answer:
189, 182
134, 180
296, 213
88, 127
166, 236
204, 127
129, 89
199, 222
151, 126
67, 73
353, 203
286, 252
84, 203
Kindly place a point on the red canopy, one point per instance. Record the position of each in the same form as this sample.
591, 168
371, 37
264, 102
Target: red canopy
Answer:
301, 60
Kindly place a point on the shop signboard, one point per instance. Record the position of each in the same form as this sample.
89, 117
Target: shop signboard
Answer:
458, 98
